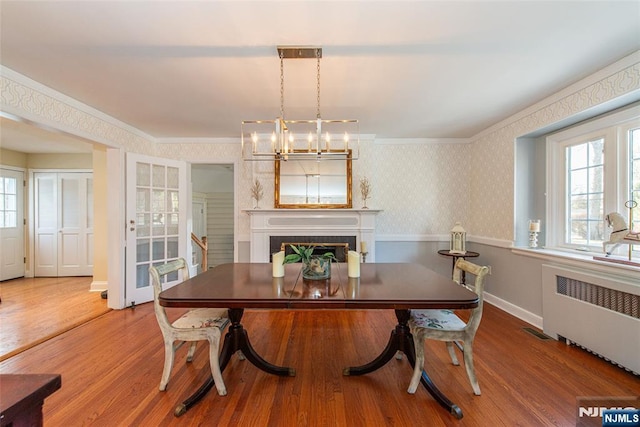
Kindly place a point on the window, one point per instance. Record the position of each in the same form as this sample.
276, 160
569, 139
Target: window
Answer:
593, 169
585, 208
8, 202
634, 154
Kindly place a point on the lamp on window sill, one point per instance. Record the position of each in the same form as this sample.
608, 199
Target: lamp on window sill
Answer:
458, 242
313, 139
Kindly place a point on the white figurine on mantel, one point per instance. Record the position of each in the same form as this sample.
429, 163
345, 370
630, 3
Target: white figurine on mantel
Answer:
458, 244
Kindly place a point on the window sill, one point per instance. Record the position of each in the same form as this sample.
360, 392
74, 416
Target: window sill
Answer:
582, 260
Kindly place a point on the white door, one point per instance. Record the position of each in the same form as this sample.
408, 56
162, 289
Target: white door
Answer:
75, 219
156, 220
63, 223
11, 224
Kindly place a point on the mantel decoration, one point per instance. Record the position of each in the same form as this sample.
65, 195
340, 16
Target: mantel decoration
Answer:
458, 242
365, 191
314, 267
311, 139
257, 192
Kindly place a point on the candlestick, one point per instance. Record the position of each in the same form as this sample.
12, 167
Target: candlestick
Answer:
353, 266
534, 225
363, 247
278, 264
534, 229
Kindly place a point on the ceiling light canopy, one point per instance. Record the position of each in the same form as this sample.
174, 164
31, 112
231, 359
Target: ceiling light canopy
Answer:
284, 139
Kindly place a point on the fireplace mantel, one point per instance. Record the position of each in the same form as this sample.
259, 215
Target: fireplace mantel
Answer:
311, 222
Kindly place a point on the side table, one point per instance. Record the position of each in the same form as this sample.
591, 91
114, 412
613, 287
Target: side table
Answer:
468, 254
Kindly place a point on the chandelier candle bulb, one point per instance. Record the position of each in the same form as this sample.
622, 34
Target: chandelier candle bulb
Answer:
278, 264
353, 266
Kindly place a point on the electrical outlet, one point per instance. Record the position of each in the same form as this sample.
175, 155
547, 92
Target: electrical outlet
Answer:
489, 270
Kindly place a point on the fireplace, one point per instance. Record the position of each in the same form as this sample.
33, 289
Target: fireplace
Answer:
338, 245
272, 227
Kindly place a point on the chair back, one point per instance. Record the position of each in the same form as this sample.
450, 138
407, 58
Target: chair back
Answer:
479, 272
158, 273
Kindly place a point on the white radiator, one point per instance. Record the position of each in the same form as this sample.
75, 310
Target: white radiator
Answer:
598, 312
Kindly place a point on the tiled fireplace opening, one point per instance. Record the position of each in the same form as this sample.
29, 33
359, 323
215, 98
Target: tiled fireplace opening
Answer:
339, 245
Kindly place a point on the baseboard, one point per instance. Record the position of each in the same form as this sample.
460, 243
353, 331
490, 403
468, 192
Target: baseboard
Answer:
514, 310
98, 286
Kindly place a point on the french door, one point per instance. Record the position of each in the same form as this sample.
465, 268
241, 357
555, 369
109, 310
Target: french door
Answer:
156, 215
11, 224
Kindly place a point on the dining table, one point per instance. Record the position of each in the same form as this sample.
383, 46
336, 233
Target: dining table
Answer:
394, 286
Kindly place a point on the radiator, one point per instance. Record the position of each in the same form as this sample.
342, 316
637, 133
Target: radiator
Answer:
599, 312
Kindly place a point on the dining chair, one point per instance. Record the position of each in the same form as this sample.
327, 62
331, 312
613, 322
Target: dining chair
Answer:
195, 325
445, 325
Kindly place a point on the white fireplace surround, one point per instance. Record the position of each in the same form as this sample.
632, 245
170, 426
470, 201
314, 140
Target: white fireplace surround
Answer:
311, 222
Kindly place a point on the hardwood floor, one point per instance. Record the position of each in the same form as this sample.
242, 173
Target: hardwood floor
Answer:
111, 369
35, 309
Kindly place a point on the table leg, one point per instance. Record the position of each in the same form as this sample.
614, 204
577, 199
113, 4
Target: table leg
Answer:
235, 339
402, 340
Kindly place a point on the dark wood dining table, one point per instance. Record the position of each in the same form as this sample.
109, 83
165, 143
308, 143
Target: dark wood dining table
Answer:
395, 286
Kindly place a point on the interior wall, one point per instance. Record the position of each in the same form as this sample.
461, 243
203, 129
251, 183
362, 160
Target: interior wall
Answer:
60, 161
13, 158
100, 217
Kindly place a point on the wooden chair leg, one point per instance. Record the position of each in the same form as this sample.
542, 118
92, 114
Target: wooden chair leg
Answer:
168, 365
452, 353
471, 372
215, 366
192, 351
418, 342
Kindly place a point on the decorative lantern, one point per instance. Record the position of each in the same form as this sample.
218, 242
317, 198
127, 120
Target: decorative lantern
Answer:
458, 244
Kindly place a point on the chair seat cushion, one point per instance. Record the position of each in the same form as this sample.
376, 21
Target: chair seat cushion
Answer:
203, 318
436, 319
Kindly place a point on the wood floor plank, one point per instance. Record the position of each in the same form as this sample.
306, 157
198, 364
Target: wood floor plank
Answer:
35, 309
111, 368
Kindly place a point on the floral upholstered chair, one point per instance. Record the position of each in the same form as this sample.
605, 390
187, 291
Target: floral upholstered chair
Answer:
444, 325
195, 325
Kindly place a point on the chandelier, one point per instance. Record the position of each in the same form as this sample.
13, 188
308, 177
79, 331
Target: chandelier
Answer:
312, 139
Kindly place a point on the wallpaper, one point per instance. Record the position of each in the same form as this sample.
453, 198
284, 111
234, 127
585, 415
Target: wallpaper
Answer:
421, 188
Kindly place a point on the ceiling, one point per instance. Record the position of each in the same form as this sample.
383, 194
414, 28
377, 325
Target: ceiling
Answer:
405, 69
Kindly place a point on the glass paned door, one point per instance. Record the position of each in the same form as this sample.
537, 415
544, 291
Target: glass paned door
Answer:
156, 220
11, 224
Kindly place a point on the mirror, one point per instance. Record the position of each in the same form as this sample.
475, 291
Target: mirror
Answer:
313, 184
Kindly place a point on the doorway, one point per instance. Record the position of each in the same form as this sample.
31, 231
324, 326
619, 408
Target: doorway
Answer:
12, 256
212, 187
63, 223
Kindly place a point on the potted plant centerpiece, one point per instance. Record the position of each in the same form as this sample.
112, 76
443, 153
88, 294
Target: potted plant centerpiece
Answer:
314, 267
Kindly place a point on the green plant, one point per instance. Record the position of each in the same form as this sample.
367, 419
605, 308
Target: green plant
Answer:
303, 253
314, 267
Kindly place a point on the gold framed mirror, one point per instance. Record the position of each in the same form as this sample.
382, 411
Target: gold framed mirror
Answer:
313, 184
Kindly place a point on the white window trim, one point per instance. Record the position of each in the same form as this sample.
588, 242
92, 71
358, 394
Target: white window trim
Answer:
555, 165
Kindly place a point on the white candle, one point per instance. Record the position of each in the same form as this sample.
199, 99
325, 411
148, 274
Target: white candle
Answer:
353, 266
363, 247
278, 264
534, 226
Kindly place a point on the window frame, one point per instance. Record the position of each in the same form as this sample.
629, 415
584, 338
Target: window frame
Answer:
614, 129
